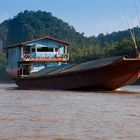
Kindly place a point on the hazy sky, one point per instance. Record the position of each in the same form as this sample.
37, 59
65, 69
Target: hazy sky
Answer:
89, 16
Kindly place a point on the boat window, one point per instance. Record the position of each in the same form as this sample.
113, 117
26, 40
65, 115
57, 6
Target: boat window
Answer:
33, 50
26, 50
44, 49
56, 49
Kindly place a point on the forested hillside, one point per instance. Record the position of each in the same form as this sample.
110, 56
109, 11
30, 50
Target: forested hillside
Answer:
29, 25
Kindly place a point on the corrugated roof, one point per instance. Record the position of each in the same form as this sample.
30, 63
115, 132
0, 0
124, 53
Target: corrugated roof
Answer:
37, 39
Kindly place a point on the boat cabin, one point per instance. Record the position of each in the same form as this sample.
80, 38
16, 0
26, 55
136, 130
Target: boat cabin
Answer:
34, 55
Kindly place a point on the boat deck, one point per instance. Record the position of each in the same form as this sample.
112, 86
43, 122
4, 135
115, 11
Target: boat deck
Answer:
76, 67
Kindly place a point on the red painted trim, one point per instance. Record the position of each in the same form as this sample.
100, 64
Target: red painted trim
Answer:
37, 39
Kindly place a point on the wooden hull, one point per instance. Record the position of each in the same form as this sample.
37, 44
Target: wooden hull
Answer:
109, 77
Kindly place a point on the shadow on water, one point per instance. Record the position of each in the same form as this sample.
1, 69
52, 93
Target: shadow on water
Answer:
125, 90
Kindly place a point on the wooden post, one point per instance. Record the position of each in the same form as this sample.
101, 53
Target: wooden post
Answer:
22, 55
65, 49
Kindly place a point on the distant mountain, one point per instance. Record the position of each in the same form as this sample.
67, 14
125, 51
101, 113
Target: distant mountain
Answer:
118, 36
29, 25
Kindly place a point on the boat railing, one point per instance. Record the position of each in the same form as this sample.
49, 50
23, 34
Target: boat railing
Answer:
29, 56
57, 58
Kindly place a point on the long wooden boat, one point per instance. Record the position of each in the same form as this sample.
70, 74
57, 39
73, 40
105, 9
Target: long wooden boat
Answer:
108, 74
43, 63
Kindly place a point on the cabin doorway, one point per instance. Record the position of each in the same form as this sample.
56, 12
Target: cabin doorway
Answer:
26, 69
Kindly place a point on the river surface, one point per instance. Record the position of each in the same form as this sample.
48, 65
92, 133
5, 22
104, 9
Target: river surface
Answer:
69, 115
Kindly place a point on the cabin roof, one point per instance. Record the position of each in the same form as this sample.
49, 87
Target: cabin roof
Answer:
37, 39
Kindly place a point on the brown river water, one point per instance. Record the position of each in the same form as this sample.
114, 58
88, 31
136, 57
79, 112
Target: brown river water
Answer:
69, 115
